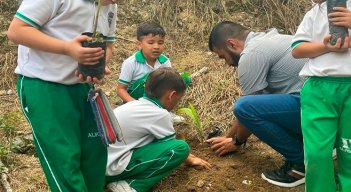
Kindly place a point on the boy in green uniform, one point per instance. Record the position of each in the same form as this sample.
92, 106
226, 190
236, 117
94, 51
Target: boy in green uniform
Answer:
135, 69
53, 99
150, 151
325, 96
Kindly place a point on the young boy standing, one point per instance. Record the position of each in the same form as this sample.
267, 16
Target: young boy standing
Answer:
53, 99
150, 151
325, 96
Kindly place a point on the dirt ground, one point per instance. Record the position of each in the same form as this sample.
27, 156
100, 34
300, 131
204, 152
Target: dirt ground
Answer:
239, 171
187, 24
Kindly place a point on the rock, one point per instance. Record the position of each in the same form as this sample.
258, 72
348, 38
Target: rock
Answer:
247, 182
21, 145
234, 166
191, 188
29, 137
10, 92
229, 185
200, 183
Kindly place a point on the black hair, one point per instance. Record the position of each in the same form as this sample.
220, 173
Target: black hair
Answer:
150, 27
225, 30
162, 80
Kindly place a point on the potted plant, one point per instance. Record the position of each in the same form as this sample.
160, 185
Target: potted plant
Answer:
336, 32
97, 40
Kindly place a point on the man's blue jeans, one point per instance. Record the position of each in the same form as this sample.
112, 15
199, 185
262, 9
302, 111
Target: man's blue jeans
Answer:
275, 119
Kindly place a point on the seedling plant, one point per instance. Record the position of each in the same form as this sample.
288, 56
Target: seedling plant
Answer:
196, 121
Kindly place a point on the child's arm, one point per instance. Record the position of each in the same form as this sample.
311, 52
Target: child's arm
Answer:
315, 49
192, 160
22, 33
122, 93
341, 16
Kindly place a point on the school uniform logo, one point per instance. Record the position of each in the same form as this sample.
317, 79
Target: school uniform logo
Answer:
93, 134
110, 17
346, 145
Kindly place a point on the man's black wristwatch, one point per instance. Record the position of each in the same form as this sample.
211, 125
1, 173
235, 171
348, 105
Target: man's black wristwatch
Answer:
236, 142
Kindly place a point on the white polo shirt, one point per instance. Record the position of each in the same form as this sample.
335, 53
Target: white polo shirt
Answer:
62, 20
142, 121
314, 28
136, 66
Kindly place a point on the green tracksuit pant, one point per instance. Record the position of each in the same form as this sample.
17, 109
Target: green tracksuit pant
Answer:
65, 135
326, 122
149, 164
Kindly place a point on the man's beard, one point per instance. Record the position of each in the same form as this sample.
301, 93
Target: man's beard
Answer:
235, 59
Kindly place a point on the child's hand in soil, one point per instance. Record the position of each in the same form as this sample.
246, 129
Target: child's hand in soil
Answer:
222, 145
84, 55
192, 160
341, 16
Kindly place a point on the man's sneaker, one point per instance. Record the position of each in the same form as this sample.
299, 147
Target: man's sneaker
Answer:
289, 175
119, 186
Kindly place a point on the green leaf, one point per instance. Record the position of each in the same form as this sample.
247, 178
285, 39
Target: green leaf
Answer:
196, 116
192, 113
188, 112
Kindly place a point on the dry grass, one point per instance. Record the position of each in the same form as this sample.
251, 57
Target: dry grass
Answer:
285, 14
188, 24
8, 77
216, 89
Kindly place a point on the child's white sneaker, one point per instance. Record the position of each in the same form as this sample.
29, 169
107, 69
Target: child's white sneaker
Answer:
120, 186
177, 118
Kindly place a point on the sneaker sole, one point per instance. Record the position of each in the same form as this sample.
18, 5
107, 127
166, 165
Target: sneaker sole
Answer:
294, 184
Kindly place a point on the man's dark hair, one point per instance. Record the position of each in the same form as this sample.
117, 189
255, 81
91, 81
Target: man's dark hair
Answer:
225, 30
150, 27
162, 80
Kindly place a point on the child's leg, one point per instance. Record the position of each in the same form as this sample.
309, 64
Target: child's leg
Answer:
151, 163
54, 114
343, 143
319, 124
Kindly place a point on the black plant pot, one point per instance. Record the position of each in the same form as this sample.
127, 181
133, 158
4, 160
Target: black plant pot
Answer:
97, 70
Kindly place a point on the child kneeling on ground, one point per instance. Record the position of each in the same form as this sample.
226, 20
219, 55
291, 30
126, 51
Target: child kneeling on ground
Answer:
151, 42
150, 151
